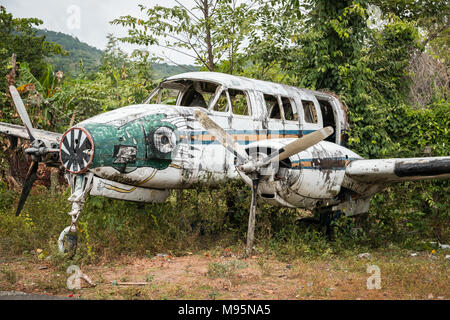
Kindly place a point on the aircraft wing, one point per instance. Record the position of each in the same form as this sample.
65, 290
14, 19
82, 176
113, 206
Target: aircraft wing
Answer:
398, 169
21, 132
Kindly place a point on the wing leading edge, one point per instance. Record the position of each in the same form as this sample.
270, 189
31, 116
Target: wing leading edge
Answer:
398, 169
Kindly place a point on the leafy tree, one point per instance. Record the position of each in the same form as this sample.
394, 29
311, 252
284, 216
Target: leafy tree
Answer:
432, 16
329, 45
18, 36
429, 78
212, 31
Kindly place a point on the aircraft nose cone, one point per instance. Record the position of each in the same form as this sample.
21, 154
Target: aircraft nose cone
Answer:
76, 150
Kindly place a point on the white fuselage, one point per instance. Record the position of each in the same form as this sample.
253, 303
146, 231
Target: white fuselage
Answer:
315, 175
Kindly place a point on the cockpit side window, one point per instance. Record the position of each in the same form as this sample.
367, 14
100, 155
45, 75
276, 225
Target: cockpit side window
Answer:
198, 94
153, 98
169, 96
273, 108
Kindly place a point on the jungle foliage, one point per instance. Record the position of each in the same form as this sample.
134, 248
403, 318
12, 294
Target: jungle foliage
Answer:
369, 60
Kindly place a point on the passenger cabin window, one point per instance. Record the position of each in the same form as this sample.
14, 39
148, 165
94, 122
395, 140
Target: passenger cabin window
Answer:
239, 102
310, 111
273, 108
222, 103
288, 110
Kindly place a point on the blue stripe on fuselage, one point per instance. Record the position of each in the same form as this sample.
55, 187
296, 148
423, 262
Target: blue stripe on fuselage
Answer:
265, 133
259, 132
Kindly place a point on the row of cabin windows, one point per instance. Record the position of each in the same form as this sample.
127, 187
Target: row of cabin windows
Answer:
277, 107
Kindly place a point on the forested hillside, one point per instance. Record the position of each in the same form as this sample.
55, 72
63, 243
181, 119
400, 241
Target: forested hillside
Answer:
92, 57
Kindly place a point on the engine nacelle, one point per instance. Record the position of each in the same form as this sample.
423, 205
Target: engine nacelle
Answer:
305, 179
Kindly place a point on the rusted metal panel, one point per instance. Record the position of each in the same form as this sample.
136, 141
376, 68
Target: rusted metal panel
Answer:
116, 190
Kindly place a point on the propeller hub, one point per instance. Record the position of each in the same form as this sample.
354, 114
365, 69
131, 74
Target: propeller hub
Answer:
76, 150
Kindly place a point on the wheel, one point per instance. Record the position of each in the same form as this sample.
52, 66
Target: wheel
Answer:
67, 242
70, 244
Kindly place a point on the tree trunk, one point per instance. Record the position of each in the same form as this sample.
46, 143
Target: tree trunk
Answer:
54, 180
205, 10
11, 77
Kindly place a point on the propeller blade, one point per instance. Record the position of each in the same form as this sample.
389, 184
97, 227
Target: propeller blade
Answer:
224, 138
251, 218
20, 107
299, 145
29, 180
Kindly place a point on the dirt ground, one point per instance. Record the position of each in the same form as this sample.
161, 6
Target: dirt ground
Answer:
222, 274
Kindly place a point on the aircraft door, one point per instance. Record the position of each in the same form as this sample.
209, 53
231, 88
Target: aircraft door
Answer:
282, 117
220, 108
328, 117
220, 112
310, 114
245, 119
332, 115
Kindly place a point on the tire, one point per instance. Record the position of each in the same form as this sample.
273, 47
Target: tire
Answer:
70, 245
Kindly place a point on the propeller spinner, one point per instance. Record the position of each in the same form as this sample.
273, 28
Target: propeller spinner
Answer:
76, 150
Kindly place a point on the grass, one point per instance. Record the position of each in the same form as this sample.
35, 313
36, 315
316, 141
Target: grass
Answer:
202, 241
190, 221
225, 269
9, 275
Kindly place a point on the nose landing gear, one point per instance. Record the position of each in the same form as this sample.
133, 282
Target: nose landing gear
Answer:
80, 185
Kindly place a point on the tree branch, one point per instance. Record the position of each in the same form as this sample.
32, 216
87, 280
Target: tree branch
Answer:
193, 15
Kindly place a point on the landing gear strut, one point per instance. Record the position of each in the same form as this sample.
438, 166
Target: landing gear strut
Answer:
326, 217
323, 219
80, 185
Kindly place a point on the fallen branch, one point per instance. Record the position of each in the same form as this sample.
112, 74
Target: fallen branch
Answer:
117, 283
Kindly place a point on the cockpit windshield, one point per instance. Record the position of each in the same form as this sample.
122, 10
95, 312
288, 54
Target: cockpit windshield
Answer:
188, 93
